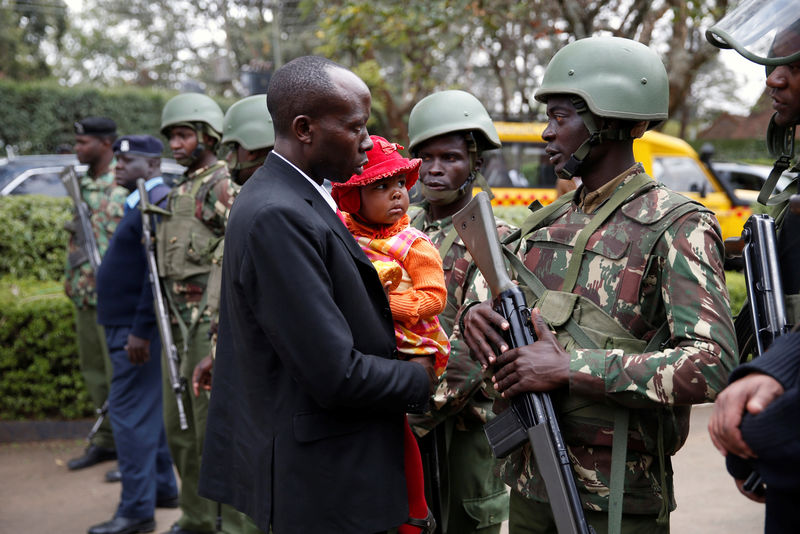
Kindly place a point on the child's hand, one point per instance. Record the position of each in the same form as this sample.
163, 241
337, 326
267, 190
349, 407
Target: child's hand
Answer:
390, 274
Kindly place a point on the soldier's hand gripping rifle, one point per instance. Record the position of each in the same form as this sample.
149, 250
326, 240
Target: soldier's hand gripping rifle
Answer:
765, 317
177, 383
531, 416
81, 224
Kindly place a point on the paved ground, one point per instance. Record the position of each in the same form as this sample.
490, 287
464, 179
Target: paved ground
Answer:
39, 495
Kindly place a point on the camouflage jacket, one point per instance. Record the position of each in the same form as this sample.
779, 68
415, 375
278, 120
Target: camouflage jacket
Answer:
679, 281
462, 391
106, 203
213, 197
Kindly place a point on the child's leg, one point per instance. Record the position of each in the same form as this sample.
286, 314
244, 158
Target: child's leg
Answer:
415, 481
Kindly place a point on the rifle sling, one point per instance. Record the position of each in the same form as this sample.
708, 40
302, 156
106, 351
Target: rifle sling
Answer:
536, 218
534, 284
186, 330
447, 242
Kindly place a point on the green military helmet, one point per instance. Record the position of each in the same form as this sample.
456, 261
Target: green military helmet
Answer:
248, 123
766, 32
451, 111
616, 77
191, 108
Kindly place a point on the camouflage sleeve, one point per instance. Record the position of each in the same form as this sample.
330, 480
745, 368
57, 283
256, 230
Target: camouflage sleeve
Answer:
217, 203
462, 379
696, 303
106, 218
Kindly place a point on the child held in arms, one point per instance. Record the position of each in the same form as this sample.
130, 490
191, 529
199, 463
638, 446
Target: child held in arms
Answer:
375, 204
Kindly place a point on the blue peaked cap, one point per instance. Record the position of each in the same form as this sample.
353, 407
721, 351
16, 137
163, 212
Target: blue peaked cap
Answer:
138, 145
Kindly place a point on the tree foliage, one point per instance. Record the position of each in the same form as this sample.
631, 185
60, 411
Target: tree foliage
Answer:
496, 49
28, 30
181, 43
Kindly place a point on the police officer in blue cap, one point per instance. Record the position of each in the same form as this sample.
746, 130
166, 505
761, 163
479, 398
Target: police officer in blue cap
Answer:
125, 309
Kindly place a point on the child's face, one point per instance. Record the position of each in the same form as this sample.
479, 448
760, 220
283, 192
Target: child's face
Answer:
385, 201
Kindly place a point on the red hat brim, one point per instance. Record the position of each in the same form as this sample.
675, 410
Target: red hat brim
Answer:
347, 196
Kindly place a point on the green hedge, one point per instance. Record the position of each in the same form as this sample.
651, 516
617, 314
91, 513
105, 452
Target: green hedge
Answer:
39, 116
33, 240
39, 372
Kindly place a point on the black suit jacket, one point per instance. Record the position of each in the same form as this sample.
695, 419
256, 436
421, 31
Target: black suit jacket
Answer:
305, 424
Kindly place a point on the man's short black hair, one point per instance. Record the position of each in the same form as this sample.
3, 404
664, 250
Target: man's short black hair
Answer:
301, 87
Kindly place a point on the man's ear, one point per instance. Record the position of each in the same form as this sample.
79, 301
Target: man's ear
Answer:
303, 128
639, 129
209, 142
478, 164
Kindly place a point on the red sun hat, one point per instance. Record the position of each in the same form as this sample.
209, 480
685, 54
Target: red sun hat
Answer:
384, 160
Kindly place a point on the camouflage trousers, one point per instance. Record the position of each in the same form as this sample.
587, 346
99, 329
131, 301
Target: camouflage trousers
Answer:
186, 446
474, 498
527, 516
95, 365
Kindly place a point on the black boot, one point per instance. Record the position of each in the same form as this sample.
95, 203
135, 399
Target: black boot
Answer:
92, 455
124, 525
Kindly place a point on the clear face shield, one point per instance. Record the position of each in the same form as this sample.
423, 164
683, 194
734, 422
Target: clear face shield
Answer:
766, 32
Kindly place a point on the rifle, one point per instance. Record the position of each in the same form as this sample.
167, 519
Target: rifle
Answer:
531, 416
101, 416
766, 308
177, 382
81, 224
764, 318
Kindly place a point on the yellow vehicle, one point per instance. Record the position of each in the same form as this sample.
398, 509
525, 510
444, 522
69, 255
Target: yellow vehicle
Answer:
520, 172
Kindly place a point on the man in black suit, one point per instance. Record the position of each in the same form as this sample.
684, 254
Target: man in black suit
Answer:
305, 425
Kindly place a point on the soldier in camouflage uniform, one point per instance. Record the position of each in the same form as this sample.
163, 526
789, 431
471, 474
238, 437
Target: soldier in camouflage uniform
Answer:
629, 276
449, 131
186, 245
94, 137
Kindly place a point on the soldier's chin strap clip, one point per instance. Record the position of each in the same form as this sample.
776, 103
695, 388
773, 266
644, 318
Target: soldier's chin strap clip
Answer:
596, 136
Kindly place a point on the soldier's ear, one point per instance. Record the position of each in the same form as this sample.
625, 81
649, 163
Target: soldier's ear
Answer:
639, 129
478, 164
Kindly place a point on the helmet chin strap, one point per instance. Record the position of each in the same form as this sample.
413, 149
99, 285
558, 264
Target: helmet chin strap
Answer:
240, 166
596, 136
780, 142
449, 196
201, 146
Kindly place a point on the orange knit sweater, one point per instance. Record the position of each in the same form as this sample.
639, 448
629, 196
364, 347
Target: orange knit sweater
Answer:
428, 296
